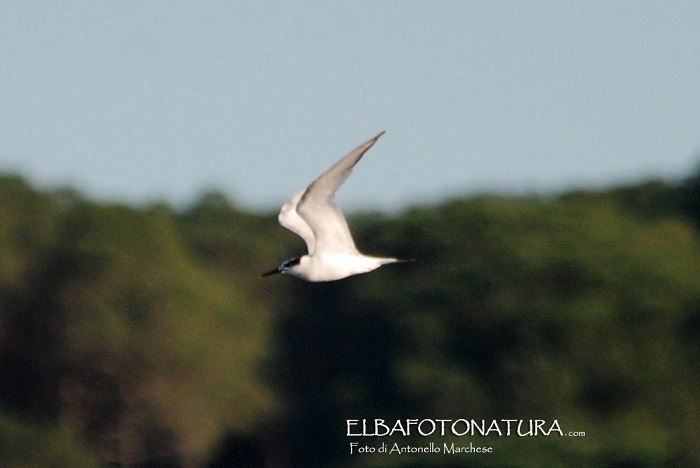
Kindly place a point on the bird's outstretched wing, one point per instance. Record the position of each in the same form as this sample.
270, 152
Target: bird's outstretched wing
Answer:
329, 230
290, 219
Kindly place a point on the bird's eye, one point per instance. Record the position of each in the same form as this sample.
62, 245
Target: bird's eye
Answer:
289, 263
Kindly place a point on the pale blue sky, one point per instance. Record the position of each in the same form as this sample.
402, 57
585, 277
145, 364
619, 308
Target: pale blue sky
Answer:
138, 101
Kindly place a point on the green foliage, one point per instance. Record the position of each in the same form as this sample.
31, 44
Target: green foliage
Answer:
145, 336
574, 309
25, 445
569, 310
114, 330
27, 225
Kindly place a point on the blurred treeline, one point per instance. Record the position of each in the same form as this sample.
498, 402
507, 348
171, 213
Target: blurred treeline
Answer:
144, 336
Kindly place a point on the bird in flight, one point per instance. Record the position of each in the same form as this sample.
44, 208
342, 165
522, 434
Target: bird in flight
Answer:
313, 215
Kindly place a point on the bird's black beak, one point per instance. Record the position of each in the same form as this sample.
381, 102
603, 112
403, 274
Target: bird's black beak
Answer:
271, 272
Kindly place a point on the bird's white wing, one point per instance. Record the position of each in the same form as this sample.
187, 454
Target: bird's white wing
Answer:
290, 219
322, 215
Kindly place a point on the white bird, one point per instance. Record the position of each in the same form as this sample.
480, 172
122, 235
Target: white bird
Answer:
314, 216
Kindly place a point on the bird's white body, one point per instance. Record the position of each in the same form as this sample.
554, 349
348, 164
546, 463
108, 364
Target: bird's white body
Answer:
313, 215
331, 267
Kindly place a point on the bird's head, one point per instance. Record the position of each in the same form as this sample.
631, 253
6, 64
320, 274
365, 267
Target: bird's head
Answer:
284, 267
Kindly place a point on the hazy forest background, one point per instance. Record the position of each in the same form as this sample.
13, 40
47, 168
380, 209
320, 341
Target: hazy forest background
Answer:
144, 336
